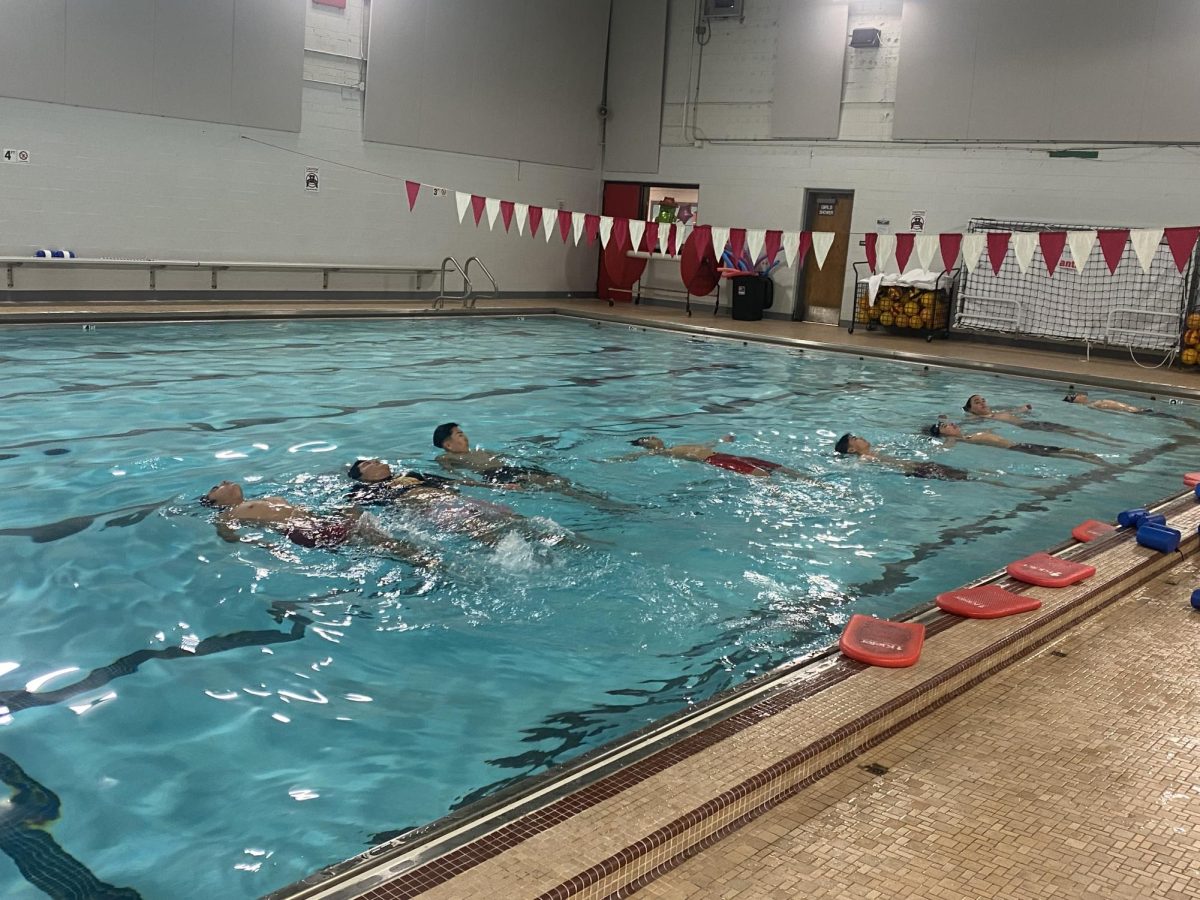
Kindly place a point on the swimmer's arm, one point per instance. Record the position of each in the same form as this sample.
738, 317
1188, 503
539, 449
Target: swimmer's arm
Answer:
228, 530
1016, 410
626, 457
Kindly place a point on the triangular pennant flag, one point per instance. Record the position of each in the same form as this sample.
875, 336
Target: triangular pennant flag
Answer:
651, 239
673, 240
771, 244
1112, 245
685, 231
463, 201
564, 224
904, 248
737, 244
950, 243
754, 243
802, 247
1024, 243
521, 211
477, 206
1181, 241
972, 249
821, 242
492, 205
927, 245
720, 237
591, 227
636, 227
506, 213
620, 233
1081, 244
578, 220
791, 246
1145, 244
885, 249
550, 221
606, 228
869, 240
997, 244
535, 219
413, 187
1052, 243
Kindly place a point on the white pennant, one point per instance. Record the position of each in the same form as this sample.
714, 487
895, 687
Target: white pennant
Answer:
755, 238
1023, 244
463, 201
791, 244
606, 224
637, 228
521, 214
927, 245
577, 225
720, 237
550, 222
821, 242
972, 249
885, 249
1145, 244
1081, 243
492, 205
681, 236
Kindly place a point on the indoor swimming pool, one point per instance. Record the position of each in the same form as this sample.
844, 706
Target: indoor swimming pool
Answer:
258, 710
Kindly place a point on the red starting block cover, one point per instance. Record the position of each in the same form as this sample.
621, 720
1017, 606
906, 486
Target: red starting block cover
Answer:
1045, 570
986, 602
1191, 479
1090, 530
879, 642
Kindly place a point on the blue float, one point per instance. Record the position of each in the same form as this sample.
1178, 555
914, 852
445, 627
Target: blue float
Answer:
1130, 517
1159, 537
1196, 599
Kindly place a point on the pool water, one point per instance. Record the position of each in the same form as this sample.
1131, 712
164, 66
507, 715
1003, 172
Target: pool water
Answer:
265, 712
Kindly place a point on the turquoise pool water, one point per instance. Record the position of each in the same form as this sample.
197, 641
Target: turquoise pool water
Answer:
227, 748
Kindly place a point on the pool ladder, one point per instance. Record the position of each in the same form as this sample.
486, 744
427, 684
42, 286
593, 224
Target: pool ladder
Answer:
468, 295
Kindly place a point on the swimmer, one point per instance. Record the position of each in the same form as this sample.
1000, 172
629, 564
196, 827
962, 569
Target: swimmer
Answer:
1117, 406
302, 526
706, 453
457, 456
951, 433
977, 405
853, 445
437, 501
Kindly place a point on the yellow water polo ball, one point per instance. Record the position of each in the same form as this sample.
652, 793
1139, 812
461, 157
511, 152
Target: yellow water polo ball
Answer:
1188, 357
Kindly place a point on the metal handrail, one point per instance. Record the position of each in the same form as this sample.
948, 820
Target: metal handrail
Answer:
495, 287
439, 302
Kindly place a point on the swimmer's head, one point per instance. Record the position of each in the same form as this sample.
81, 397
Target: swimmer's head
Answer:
977, 405
851, 444
450, 437
944, 429
370, 471
1076, 397
224, 495
648, 442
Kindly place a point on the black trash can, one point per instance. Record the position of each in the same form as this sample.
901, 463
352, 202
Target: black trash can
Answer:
751, 295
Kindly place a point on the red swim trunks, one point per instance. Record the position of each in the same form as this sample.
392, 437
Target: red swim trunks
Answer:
744, 465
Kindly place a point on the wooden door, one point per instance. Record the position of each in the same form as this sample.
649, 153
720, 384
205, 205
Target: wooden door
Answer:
820, 294
624, 199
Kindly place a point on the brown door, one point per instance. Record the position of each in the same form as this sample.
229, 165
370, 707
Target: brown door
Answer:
820, 294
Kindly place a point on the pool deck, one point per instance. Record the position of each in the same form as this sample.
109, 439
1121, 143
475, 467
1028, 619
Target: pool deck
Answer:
1053, 753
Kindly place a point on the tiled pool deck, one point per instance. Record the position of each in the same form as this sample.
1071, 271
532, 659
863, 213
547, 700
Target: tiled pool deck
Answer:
1054, 753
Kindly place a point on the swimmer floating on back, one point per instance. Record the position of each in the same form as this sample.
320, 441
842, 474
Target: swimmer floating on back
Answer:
977, 405
706, 453
853, 445
951, 433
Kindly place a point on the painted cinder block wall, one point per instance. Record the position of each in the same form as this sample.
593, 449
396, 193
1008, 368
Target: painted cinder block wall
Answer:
746, 179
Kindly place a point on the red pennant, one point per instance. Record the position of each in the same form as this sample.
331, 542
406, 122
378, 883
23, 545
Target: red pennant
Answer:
997, 244
650, 237
869, 240
412, 187
506, 213
591, 227
803, 247
1052, 243
672, 235
1112, 242
904, 248
620, 233
535, 219
477, 204
737, 244
950, 244
564, 223
771, 245
1181, 241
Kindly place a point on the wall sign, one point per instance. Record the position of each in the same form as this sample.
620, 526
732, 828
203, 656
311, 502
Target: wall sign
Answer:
826, 207
312, 178
916, 222
14, 156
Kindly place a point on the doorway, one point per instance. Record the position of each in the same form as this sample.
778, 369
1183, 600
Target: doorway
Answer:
819, 290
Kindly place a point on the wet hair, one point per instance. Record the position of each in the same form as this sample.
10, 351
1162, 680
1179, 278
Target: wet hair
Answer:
935, 430
641, 441
355, 470
442, 432
205, 500
1070, 398
843, 444
967, 405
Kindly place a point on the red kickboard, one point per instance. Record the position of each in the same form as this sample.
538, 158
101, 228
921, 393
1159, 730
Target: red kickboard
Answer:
986, 602
1091, 529
1045, 570
878, 642
1191, 479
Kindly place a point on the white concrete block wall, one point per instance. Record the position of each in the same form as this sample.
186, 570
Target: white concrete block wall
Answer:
113, 184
